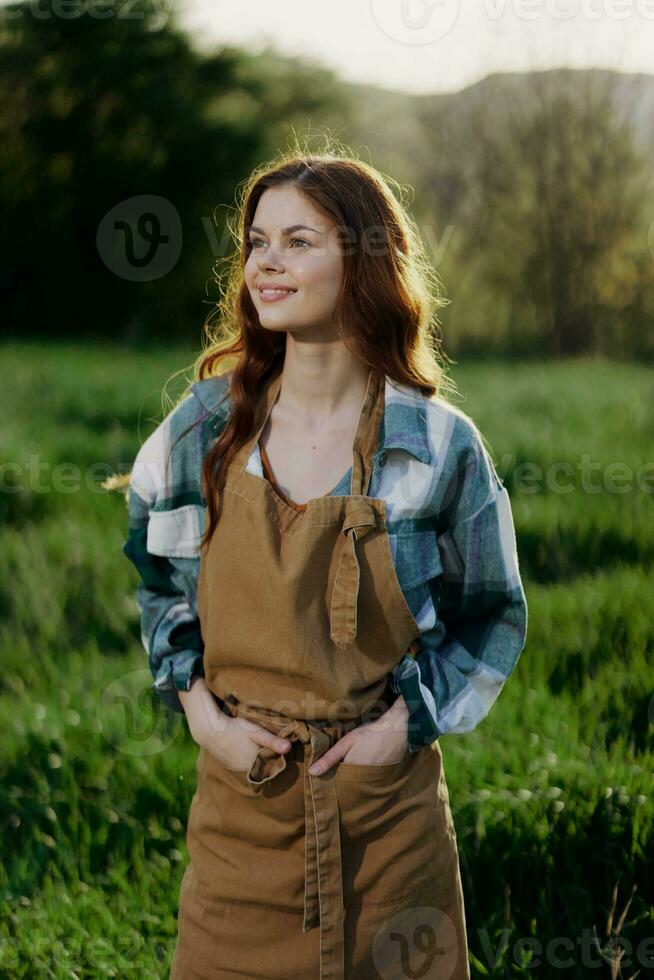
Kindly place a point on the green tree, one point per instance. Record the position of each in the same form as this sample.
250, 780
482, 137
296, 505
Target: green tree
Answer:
560, 215
536, 199
100, 109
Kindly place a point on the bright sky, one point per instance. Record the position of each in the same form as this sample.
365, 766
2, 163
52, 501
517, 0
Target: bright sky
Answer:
433, 45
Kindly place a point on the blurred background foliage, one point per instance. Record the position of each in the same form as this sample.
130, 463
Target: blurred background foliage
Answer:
533, 192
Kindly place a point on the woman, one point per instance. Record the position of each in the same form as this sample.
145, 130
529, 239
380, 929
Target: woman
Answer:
320, 641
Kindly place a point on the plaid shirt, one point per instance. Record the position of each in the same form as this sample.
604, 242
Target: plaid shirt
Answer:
450, 530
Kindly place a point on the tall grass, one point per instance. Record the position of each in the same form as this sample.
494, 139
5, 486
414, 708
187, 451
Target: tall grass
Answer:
552, 794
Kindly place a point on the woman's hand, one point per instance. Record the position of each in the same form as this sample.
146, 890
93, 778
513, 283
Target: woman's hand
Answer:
234, 741
385, 740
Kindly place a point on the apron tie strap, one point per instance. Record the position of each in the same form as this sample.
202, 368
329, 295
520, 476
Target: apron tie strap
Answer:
323, 867
360, 519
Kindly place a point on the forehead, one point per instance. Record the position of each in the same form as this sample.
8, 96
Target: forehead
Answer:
279, 207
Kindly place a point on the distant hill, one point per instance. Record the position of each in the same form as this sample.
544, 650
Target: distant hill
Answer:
400, 123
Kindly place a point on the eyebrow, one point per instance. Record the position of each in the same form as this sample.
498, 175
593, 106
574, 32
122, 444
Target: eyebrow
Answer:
285, 231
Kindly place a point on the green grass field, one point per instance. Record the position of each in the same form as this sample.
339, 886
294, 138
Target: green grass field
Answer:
552, 794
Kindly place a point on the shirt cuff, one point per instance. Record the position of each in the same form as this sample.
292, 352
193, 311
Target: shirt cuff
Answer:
421, 723
176, 674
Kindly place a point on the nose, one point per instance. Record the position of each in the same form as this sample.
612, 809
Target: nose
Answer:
269, 259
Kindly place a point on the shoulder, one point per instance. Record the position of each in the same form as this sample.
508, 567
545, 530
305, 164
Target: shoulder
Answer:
468, 478
213, 394
446, 431
467, 443
443, 466
167, 466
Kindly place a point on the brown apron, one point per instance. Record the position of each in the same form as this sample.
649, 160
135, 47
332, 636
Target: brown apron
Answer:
353, 874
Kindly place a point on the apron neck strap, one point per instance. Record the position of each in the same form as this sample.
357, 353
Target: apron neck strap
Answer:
366, 438
265, 406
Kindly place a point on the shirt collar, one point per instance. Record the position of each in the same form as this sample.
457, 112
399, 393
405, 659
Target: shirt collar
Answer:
404, 425
213, 394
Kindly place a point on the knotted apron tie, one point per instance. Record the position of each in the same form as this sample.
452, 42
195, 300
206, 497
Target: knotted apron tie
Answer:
359, 520
323, 869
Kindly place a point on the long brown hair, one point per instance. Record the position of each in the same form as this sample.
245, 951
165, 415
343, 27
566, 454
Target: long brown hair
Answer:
389, 298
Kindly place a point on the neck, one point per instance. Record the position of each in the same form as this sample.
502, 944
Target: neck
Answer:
321, 382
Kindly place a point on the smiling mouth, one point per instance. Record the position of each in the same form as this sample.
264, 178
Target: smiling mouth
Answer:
275, 295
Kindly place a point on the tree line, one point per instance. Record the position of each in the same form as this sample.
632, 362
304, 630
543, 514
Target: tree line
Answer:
122, 147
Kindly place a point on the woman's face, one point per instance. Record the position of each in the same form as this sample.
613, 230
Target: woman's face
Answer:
306, 260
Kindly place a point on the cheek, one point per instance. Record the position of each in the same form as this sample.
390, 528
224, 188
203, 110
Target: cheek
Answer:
321, 277
248, 271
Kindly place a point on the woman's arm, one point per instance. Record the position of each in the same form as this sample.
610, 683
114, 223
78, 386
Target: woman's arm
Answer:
481, 625
170, 630
166, 596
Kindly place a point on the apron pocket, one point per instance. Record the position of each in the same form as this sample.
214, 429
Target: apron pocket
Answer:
356, 770
214, 762
397, 838
247, 845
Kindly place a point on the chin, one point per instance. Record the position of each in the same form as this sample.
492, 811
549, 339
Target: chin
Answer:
275, 325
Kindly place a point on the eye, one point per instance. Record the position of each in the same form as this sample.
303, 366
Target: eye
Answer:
254, 242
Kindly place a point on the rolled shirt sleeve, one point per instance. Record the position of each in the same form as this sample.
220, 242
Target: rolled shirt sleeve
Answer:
464, 660
169, 625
